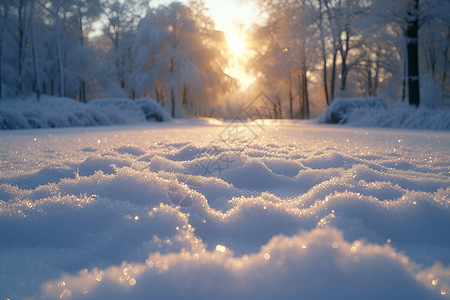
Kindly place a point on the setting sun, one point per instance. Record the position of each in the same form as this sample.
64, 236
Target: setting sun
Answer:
237, 45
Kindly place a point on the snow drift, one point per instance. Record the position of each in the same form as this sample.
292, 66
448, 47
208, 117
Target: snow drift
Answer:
372, 112
179, 212
65, 112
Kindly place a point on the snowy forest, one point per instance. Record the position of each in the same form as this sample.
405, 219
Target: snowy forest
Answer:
304, 55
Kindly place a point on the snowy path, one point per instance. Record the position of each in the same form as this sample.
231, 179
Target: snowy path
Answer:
265, 210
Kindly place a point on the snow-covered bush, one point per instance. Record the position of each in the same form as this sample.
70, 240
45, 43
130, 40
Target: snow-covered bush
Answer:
373, 113
118, 110
405, 116
341, 109
65, 112
153, 110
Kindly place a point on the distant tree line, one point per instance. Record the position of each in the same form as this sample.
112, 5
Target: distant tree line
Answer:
308, 52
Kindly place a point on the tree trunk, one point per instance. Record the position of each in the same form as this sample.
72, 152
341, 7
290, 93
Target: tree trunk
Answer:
377, 75
305, 94
59, 49
300, 96
333, 74
21, 50
324, 54
83, 81
185, 103
35, 57
157, 94
280, 110
412, 36
444, 76
344, 69
369, 81
2, 36
291, 114
405, 71
172, 98
172, 91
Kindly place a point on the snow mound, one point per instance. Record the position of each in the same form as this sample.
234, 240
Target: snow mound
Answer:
64, 112
371, 112
175, 213
341, 110
304, 263
153, 110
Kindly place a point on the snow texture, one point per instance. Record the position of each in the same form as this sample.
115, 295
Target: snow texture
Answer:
65, 112
261, 210
372, 112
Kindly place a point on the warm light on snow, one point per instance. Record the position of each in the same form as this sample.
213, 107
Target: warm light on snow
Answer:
296, 207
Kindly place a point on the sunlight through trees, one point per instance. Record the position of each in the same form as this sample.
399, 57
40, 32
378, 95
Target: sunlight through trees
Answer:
305, 54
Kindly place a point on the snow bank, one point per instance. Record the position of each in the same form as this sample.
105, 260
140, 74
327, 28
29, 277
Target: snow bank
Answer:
371, 112
64, 112
175, 212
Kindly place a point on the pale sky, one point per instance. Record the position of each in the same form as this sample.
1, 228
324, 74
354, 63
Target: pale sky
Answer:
228, 14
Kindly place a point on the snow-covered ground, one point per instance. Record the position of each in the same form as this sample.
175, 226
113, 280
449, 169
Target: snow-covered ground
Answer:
191, 210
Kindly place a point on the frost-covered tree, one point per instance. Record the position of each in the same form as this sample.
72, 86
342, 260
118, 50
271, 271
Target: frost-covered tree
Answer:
339, 29
121, 20
379, 62
179, 58
19, 12
420, 22
283, 57
57, 9
360, 46
434, 46
333, 27
85, 12
66, 60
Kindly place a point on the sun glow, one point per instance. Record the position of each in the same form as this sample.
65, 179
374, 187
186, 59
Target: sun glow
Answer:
238, 58
237, 45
